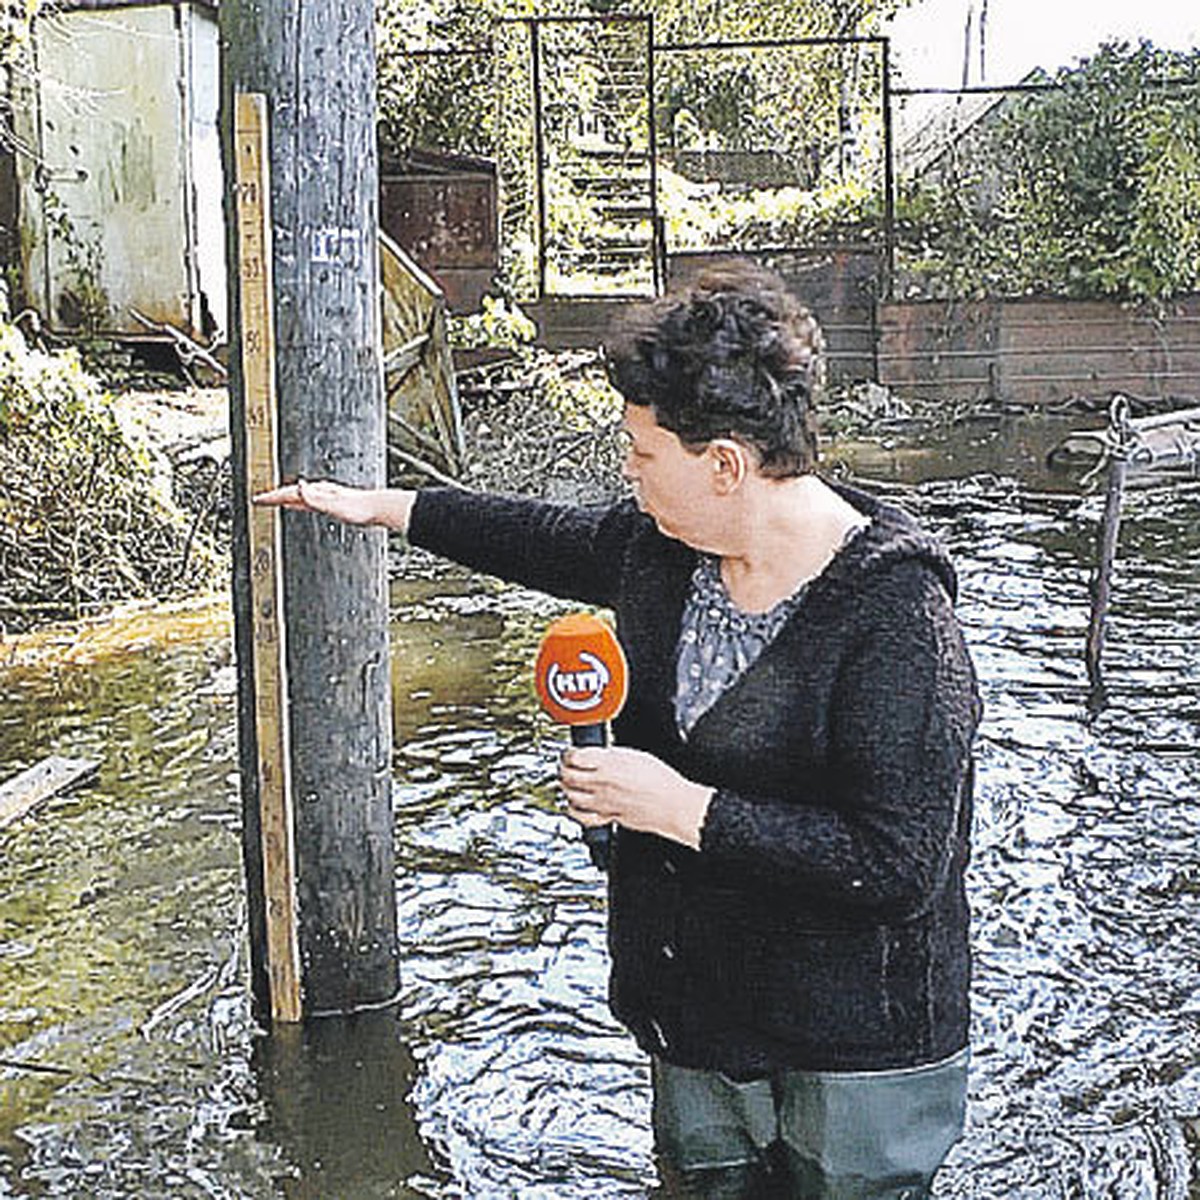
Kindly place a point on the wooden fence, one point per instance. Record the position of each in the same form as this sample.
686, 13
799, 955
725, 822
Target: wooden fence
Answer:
1033, 353
1039, 352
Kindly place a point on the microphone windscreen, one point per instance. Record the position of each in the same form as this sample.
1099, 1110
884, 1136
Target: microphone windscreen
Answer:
581, 674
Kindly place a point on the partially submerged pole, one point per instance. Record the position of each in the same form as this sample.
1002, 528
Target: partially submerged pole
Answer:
1101, 582
315, 66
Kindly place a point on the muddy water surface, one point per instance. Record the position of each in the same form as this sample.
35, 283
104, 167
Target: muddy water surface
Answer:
129, 1065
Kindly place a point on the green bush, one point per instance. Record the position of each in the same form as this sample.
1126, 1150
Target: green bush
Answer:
1090, 189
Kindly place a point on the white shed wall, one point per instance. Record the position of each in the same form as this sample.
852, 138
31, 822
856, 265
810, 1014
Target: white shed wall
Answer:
129, 181
207, 190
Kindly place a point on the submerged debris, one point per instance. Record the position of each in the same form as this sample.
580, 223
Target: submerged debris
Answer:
1164, 442
866, 407
35, 785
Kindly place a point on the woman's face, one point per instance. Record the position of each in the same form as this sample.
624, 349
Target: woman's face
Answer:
673, 484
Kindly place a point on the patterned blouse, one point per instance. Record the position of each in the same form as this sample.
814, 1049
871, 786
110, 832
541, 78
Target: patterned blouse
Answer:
718, 641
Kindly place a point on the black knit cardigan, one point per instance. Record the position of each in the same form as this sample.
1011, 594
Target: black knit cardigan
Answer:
823, 923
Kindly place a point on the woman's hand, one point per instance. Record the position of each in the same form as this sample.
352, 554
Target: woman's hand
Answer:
634, 789
390, 507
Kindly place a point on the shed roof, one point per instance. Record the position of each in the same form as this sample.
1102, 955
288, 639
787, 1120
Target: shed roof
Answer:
948, 123
100, 5
436, 162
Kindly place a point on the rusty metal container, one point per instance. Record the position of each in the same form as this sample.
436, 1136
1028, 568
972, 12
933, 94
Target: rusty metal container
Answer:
442, 209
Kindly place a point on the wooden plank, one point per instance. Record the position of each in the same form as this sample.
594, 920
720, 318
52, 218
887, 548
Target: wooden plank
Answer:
256, 292
422, 390
400, 361
36, 784
1036, 352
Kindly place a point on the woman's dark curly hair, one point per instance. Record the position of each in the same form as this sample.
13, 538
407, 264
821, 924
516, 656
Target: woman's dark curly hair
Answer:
734, 355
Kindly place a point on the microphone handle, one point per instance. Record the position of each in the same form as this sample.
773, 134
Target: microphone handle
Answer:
599, 839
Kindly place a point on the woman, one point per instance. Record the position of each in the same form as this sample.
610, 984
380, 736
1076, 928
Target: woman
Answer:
791, 783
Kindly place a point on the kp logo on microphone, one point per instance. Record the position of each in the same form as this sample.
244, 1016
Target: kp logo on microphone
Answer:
581, 674
579, 690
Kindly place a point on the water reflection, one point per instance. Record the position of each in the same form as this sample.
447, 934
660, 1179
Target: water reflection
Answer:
128, 1062
334, 1096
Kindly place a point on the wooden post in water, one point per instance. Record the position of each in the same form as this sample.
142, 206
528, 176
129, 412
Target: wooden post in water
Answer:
314, 65
1101, 582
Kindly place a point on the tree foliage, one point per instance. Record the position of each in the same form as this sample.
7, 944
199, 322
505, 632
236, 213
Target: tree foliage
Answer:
16, 17
16, 21
1088, 189
447, 101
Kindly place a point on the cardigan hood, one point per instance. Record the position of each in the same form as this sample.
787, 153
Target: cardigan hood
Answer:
893, 537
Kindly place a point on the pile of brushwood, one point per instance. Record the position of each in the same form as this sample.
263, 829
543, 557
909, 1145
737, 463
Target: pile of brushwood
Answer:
543, 424
548, 424
85, 519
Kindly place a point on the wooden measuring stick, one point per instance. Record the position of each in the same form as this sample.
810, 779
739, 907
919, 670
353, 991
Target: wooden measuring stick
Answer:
266, 563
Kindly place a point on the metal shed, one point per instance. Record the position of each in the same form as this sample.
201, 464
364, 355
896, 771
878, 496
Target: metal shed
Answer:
118, 170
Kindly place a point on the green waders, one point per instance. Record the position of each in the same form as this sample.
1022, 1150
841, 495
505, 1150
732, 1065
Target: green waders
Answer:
808, 1135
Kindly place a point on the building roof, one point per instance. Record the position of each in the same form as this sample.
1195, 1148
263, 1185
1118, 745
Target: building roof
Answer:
941, 126
100, 5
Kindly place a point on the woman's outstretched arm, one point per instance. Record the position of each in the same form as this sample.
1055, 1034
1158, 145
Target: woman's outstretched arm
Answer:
389, 507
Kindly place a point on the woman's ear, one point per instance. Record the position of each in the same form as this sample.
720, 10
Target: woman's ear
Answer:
730, 464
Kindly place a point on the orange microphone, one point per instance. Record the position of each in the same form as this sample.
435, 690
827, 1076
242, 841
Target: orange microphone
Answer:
582, 681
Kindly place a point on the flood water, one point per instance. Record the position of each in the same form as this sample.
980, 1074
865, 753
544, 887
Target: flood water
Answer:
129, 1064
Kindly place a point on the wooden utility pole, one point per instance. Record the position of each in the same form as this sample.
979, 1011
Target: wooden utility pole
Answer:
314, 66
